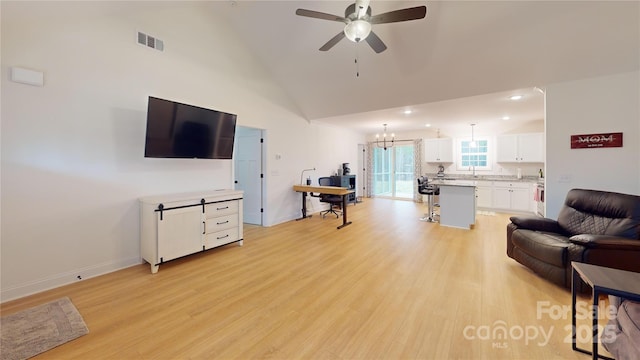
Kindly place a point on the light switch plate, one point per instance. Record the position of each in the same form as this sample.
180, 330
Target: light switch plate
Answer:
26, 76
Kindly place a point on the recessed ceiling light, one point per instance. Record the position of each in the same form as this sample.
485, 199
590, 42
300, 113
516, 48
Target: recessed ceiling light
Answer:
515, 97
505, 118
407, 112
427, 125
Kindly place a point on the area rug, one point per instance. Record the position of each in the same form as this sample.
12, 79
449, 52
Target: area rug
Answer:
30, 332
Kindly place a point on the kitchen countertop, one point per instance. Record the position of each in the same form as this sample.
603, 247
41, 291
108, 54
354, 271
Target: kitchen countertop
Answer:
454, 182
524, 179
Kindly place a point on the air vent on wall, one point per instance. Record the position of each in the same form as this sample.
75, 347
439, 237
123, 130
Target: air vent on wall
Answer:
150, 41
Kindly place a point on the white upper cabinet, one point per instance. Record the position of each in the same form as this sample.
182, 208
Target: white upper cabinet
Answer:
520, 148
438, 150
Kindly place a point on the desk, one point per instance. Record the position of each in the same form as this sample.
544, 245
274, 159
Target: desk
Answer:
332, 190
603, 280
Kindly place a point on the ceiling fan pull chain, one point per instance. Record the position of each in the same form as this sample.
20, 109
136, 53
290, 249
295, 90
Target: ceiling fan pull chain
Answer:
356, 62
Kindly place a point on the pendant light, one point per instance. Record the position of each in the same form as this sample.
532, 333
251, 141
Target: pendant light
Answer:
473, 140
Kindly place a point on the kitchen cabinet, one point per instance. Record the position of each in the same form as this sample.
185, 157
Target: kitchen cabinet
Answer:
457, 204
484, 194
520, 148
512, 196
176, 225
438, 150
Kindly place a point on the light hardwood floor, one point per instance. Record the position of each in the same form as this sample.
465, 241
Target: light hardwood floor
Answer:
388, 286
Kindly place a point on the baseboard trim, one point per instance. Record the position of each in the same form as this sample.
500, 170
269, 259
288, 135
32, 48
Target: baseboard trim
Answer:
284, 219
57, 280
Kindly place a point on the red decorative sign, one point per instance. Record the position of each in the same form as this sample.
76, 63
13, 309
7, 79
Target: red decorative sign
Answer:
596, 140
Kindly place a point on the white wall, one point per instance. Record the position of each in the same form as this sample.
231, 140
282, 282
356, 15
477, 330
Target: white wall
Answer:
292, 149
591, 106
72, 150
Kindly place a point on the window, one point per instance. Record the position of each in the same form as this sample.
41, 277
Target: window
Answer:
470, 157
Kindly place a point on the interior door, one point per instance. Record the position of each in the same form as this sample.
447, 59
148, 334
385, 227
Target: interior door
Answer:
248, 172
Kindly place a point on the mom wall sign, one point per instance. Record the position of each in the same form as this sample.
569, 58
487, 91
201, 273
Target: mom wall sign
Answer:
588, 141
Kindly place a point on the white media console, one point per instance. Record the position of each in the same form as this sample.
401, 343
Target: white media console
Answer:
176, 225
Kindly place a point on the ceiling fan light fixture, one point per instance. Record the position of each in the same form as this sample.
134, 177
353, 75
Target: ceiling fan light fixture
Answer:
357, 30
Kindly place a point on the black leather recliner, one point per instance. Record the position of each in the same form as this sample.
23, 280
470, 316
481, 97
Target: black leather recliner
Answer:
594, 227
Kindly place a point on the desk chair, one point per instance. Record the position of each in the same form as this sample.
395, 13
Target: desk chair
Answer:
333, 200
430, 190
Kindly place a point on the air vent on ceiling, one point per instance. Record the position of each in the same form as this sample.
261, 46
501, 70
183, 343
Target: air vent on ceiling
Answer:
150, 41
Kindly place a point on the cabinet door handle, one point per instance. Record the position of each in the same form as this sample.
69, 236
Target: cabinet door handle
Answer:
204, 227
224, 222
222, 237
222, 208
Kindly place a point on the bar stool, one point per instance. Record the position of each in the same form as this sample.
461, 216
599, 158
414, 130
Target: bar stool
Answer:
430, 190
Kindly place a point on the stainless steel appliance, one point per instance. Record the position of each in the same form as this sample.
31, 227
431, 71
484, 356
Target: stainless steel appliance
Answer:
539, 198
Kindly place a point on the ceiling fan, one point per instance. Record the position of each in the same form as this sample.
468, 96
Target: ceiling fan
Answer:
358, 20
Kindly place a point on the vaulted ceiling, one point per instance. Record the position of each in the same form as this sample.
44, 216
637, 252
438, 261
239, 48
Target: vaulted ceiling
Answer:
456, 66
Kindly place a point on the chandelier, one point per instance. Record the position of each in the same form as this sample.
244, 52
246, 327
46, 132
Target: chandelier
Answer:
384, 143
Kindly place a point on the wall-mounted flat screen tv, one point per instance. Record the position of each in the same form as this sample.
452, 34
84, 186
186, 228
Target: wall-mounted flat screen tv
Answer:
176, 130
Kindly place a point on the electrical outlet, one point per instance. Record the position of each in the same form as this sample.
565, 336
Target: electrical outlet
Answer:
564, 178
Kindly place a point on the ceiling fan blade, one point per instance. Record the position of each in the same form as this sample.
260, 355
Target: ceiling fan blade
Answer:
333, 41
320, 15
376, 44
413, 13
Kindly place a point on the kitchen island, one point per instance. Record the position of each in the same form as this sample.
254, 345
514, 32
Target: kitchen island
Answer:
457, 203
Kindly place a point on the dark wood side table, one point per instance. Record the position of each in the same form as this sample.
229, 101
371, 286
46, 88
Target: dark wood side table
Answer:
603, 280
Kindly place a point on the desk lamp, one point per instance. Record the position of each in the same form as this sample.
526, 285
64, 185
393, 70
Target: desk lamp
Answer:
302, 174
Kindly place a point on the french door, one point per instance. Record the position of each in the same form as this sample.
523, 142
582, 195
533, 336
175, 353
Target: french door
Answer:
393, 175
